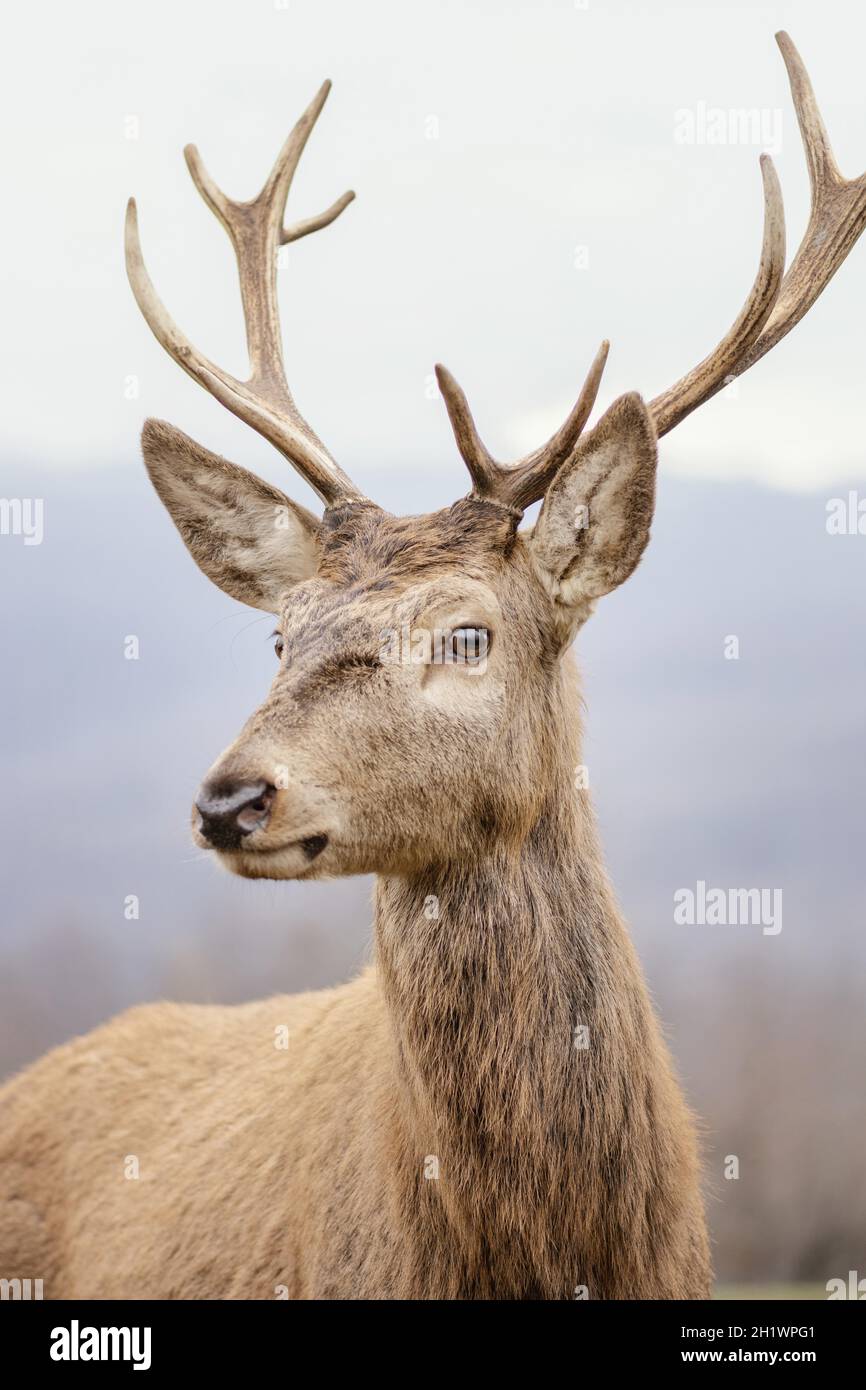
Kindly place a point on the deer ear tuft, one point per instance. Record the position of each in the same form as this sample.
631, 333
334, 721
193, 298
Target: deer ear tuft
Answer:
251, 540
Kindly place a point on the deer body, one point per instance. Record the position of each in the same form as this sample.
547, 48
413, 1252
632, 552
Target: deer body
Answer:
489, 1111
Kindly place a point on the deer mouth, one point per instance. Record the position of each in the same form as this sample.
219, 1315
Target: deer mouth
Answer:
292, 859
310, 847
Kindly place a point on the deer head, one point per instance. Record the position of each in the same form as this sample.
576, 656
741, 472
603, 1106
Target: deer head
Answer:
418, 707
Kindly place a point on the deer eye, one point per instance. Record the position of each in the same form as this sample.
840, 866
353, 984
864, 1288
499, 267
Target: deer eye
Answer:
469, 645
279, 645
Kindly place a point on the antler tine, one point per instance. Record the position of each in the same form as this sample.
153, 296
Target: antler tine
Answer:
816, 142
473, 452
519, 484
314, 224
256, 230
836, 220
702, 381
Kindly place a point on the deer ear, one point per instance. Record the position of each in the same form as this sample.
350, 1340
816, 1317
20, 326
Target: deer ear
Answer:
248, 537
595, 520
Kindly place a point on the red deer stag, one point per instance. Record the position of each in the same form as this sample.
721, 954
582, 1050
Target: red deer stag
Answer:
489, 1110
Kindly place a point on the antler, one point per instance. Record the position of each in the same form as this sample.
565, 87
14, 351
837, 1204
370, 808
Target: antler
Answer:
837, 217
516, 485
256, 231
776, 302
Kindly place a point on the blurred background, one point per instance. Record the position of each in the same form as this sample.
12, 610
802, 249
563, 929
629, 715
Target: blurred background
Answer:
531, 178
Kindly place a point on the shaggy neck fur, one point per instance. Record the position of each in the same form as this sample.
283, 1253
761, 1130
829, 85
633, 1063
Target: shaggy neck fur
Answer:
560, 1164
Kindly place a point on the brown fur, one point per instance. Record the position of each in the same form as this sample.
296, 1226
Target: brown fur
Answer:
431, 1130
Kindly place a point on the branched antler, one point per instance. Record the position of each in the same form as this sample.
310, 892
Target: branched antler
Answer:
256, 231
776, 302
837, 217
518, 484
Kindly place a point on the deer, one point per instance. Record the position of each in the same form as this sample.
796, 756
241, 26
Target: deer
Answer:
489, 1110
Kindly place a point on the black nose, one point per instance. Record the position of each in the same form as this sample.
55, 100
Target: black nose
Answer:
229, 809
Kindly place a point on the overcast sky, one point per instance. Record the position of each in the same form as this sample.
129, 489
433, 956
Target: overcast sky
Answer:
522, 193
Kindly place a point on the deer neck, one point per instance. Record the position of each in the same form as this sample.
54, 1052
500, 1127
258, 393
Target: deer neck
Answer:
494, 971
522, 1029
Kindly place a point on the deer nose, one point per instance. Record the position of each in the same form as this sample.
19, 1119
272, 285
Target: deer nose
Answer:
230, 809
